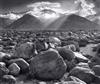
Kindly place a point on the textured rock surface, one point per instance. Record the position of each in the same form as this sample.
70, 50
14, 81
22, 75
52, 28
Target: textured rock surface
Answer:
24, 50
80, 57
96, 69
85, 74
3, 70
48, 65
24, 65
14, 69
66, 53
8, 79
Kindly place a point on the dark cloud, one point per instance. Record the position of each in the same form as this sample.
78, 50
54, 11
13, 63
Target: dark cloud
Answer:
12, 3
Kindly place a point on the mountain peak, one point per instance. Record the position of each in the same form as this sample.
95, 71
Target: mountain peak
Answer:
26, 22
73, 22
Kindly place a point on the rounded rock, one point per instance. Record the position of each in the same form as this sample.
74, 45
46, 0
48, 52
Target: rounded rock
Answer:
48, 65
66, 53
14, 69
8, 79
24, 66
25, 50
96, 69
84, 74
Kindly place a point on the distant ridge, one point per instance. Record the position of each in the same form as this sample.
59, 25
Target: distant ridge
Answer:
1, 23
4, 22
73, 22
27, 22
65, 22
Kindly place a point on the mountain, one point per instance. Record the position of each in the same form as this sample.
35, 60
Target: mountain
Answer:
65, 22
73, 22
27, 22
1, 23
4, 22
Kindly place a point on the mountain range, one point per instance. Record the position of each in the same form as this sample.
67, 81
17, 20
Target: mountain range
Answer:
74, 22
27, 22
65, 22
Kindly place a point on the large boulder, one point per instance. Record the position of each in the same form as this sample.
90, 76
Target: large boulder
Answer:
67, 54
25, 50
48, 65
84, 74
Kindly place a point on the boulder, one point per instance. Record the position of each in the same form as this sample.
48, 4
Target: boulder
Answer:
82, 64
72, 47
48, 65
84, 74
25, 50
2, 64
3, 70
94, 61
54, 40
24, 65
96, 70
70, 64
3, 56
75, 43
83, 42
8, 79
98, 50
66, 53
80, 57
40, 45
14, 69
96, 80
74, 80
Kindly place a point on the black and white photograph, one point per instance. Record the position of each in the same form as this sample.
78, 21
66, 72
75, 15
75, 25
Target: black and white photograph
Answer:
49, 41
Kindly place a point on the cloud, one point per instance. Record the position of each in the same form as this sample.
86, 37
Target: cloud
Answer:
52, 9
11, 16
85, 8
48, 10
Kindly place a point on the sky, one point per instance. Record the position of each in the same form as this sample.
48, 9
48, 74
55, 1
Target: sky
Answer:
84, 7
21, 5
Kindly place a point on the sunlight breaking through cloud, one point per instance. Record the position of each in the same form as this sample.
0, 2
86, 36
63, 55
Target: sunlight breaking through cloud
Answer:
53, 10
84, 9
